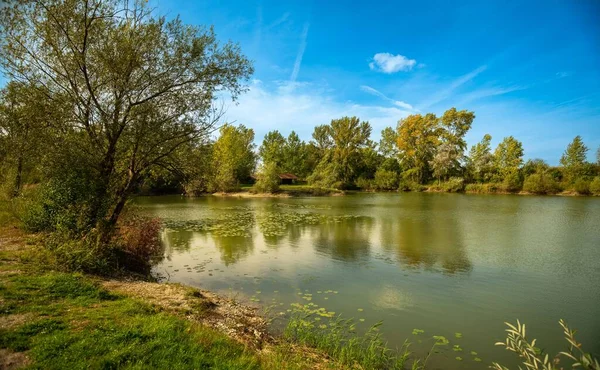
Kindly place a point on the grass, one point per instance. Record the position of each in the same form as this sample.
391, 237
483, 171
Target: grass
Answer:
74, 321
61, 319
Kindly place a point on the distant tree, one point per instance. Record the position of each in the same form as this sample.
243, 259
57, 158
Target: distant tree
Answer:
508, 158
140, 86
574, 158
272, 148
233, 157
387, 143
294, 155
535, 166
480, 162
445, 159
268, 178
598, 156
349, 136
418, 138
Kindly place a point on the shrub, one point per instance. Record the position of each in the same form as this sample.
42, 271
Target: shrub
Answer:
582, 186
454, 185
540, 184
512, 182
268, 179
386, 180
407, 185
137, 242
364, 183
595, 186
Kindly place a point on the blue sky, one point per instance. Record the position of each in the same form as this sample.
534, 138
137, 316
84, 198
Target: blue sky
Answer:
530, 69
527, 69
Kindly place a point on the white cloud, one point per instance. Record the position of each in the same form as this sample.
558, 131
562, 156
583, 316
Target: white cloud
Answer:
287, 106
389, 63
300, 53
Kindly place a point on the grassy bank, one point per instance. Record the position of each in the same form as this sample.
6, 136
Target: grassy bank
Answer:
54, 319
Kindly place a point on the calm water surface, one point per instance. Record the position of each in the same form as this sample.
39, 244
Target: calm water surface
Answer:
443, 263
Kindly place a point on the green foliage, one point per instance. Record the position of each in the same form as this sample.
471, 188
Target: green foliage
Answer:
574, 158
595, 186
540, 183
480, 162
325, 175
136, 87
272, 148
512, 182
364, 183
508, 158
268, 179
533, 358
488, 188
582, 186
339, 340
387, 143
233, 159
386, 180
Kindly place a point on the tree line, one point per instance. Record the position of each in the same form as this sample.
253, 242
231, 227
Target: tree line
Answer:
423, 152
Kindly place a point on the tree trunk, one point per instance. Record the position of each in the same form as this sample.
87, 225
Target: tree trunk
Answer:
18, 177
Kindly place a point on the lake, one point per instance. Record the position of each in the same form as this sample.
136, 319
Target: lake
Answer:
442, 263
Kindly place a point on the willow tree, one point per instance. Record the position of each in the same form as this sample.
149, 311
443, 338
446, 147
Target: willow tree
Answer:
140, 86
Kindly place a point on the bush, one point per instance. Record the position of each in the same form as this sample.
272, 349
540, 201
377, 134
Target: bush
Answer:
407, 185
133, 246
512, 182
364, 183
489, 188
137, 242
595, 186
454, 185
268, 179
386, 180
540, 184
582, 186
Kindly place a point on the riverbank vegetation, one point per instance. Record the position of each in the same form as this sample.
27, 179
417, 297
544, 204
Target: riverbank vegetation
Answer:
104, 101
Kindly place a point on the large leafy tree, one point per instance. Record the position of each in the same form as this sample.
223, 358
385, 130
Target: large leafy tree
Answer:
508, 157
349, 136
417, 140
387, 143
139, 86
342, 143
574, 158
272, 148
233, 157
480, 162
294, 155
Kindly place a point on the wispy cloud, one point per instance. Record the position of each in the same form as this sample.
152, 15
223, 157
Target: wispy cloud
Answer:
284, 17
300, 54
389, 63
398, 103
486, 93
449, 90
563, 74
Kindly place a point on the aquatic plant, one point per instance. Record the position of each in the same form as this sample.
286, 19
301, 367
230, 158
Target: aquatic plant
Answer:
534, 358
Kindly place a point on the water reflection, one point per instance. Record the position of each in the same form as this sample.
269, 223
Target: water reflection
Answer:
434, 242
347, 240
